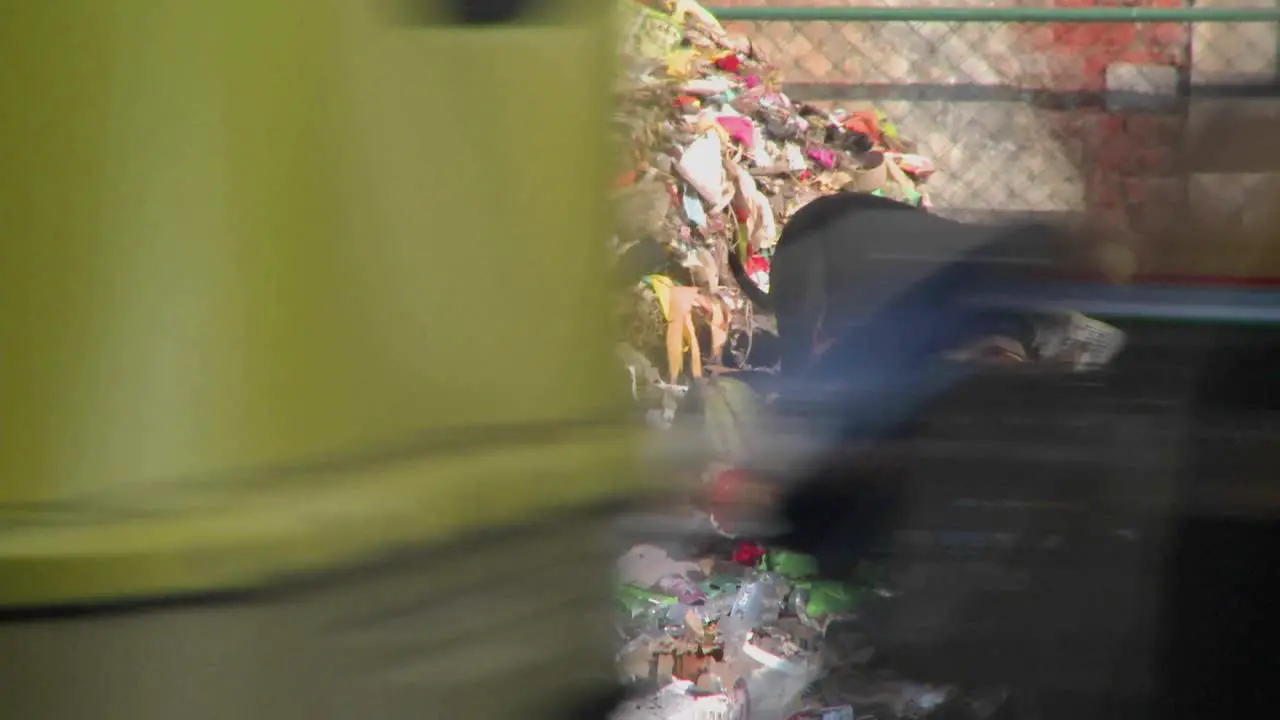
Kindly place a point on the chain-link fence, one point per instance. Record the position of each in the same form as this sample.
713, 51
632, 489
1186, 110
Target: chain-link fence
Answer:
1034, 109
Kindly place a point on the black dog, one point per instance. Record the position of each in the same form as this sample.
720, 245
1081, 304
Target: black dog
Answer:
853, 271
886, 287
808, 263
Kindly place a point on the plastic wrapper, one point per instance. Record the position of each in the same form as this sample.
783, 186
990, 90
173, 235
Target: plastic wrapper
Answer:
676, 701
716, 608
646, 612
1073, 339
682, 588
790, 565
820, 604
770, 680
638, 601
759, 602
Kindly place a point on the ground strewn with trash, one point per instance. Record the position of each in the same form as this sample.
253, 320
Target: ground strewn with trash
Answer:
714, 160
752, 633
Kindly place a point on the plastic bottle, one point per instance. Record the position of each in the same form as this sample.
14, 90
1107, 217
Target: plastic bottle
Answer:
716, 609
759, 602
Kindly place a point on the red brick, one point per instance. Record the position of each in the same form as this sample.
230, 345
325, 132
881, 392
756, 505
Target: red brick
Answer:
1067, 68
1168, 34
1140, 56
1094, 35
1175, 55
1040, 37
1079, 128
1111, 216
1114, 153
1108, 155
1095, 71
1065, 33
1158, 161
1106, 194
1117, 36
1156, 130
1133, 161
1135, 190
1091, 127
1111, 125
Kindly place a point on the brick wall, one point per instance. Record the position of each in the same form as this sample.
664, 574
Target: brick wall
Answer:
1127, 149
1069, 148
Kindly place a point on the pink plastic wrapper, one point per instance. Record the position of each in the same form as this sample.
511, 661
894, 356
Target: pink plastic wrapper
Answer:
917, 166
682, 589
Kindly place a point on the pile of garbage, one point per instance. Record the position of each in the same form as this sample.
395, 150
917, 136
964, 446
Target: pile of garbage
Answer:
752, 633
715, 159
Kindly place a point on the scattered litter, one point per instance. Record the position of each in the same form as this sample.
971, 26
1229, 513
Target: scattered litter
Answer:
675, 701
760, 639
715, 160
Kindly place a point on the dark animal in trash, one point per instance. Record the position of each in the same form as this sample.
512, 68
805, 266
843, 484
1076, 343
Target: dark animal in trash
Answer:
850, 262
870, 297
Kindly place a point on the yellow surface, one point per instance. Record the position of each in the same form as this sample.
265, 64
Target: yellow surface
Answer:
240, 235
192, 539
